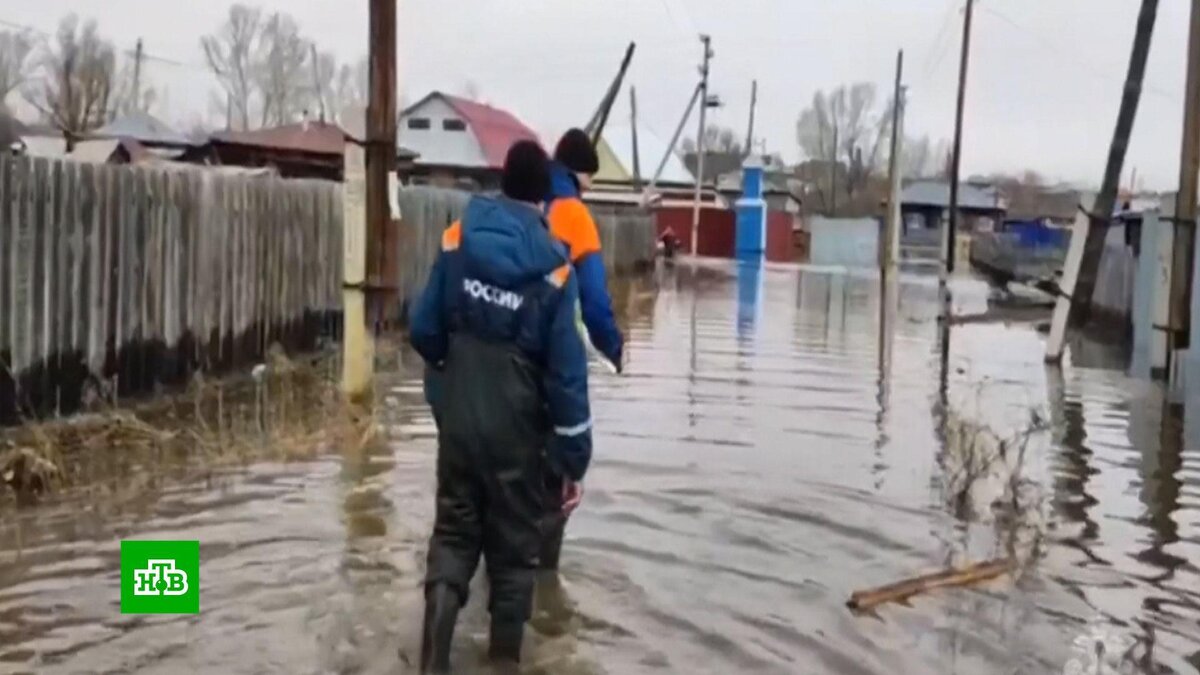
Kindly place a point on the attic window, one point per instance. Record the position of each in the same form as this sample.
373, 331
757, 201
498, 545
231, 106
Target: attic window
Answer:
454, 125
418, 123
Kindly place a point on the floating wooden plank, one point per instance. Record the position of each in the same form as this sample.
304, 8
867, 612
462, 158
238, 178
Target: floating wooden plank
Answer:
861, 601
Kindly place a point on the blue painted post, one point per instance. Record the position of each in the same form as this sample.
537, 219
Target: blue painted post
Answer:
751, 231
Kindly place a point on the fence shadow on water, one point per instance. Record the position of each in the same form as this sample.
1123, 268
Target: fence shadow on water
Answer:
116, 280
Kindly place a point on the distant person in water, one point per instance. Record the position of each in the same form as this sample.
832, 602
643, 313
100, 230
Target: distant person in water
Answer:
575, 163
507, 380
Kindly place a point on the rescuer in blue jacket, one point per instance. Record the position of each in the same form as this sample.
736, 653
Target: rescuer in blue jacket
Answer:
496, 326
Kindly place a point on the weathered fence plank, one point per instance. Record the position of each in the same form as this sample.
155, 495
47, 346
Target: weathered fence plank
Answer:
119, 279
115, 280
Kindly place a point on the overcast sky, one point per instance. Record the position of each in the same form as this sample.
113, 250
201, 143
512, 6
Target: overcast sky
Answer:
1046, 75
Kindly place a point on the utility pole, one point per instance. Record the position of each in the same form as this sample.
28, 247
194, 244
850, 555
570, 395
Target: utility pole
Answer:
833, 167
708, 54
368, 288
137, 75
687, 113
891, 239
950, 232
316, 72
595, 126
633, 130
1102, 210
1185, 200
1079, 278
750, 129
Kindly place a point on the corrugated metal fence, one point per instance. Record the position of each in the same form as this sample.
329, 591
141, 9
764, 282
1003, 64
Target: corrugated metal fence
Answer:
121, 279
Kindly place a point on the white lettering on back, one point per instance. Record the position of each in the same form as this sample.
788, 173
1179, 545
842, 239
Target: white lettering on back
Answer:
492, 295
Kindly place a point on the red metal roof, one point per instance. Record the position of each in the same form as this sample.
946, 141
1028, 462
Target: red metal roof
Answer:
317, 138
495, 129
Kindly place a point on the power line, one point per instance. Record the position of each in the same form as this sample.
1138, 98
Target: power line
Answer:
941, 43
25, 28
1050, 46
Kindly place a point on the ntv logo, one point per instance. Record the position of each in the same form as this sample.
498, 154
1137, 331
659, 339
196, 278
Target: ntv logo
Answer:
160, 577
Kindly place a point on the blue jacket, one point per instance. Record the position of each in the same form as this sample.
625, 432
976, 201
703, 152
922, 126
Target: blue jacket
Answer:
572, 223
501, 277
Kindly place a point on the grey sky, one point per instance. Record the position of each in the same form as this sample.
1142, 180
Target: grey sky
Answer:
1046, 74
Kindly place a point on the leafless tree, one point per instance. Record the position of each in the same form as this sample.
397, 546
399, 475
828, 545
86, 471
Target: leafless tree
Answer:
717, 139
16, 50
924, 158
349, 94
282, 70
230, 53
723, 152
846, 129
76, 85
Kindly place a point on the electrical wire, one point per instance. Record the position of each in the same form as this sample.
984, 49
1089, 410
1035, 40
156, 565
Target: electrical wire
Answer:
1051, 47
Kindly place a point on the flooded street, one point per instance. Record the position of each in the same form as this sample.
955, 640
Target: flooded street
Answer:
765, 455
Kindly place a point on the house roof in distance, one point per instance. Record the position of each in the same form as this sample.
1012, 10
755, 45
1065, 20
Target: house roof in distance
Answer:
142, 127
318, 138
491, 132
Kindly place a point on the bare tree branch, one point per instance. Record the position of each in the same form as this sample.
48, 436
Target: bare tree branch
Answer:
230, 52
16, 64
77, 78
281, 70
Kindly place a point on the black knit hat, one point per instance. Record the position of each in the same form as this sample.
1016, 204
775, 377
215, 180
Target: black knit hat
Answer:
526, 175
575, 150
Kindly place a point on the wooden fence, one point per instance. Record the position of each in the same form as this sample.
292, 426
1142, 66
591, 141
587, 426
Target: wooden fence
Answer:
114, 280
118, 280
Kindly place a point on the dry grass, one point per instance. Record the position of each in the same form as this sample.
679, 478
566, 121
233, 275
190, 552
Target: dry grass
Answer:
288, 411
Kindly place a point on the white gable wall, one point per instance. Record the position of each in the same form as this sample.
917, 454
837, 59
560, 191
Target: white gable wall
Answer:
435, 145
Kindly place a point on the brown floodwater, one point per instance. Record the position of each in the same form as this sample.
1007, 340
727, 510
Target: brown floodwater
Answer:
768, 451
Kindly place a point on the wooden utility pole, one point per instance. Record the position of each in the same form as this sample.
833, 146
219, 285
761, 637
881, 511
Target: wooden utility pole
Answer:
950, 235
370, 239
595, 126
633, 131
888, 252
1102, 210
750, 128
1185, 200
708, 54
137, 75
1091, 229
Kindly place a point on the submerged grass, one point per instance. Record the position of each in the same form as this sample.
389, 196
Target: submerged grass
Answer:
285, 410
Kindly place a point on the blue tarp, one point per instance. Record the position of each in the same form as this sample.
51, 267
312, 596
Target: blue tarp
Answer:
1036, 234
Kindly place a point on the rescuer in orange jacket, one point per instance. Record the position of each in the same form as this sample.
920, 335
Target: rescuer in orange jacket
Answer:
575, 162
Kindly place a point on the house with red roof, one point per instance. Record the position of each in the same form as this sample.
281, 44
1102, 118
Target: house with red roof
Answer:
457, 142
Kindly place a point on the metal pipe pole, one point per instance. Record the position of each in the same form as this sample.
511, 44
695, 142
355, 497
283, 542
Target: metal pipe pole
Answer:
749, 150
887, 248
706, 40
662, 165
633, 131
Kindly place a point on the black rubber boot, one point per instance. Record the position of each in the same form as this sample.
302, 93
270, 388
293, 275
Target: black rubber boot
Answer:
504, 648
441, 611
